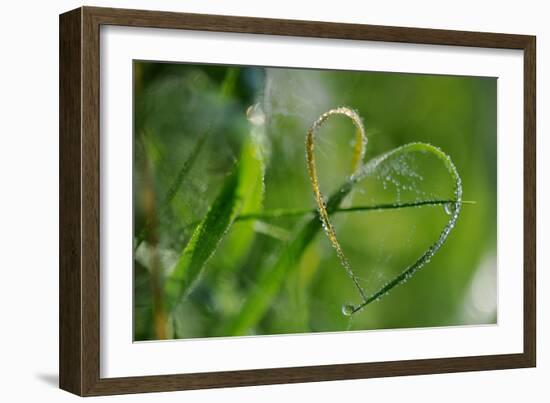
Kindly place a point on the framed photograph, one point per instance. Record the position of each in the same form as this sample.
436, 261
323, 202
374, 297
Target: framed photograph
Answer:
249, 201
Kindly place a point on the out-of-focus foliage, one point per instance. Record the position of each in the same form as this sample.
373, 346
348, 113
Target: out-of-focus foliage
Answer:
224, 225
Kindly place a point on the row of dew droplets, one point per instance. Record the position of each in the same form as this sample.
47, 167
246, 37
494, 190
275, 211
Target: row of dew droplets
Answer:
357, 160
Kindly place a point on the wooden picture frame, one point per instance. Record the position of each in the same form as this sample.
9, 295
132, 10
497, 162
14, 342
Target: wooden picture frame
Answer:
79, 346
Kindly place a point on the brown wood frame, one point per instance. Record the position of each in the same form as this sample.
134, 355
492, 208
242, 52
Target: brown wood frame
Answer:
79, 201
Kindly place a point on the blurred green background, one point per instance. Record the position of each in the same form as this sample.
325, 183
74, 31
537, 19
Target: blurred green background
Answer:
191, 125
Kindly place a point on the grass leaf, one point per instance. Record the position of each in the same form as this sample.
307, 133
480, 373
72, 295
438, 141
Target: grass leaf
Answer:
286, 213
239, 190
238, 241
176, 185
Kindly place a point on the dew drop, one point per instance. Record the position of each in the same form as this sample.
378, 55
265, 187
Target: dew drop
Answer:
449, 208
255, 115
347, 309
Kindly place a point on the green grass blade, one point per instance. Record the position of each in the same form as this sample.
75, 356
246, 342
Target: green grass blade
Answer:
176, 184
287, 213
184, 170
238, 241
271, 278
227, 88
236, 192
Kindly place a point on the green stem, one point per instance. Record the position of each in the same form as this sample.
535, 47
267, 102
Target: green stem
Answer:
286, 213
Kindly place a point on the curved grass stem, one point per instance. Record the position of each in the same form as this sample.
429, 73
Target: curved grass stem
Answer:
357, 159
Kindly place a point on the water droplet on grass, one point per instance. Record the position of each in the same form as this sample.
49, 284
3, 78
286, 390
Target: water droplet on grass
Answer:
347, 309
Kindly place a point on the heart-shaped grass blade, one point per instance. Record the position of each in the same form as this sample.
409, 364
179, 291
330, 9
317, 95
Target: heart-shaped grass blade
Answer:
239, 188
356, 175
272, 277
